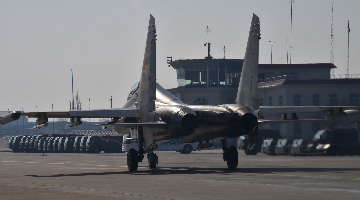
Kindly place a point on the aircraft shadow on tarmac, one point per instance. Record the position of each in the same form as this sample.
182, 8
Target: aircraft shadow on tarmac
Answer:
169, 171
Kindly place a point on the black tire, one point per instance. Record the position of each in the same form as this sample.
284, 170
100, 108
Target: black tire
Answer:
233, 159
152, 165
254, 152
96, 150
132, 160
250, 150
187, 149
152, 160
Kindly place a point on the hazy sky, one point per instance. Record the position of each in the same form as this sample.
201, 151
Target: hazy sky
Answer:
103, 42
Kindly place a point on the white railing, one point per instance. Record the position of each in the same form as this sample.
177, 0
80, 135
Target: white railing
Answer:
345, 76
275, 78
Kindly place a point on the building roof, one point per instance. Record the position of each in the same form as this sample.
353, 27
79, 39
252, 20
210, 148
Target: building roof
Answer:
308, 82
194, 63
297, 66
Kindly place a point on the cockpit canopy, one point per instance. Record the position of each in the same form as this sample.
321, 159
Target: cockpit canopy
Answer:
133, 89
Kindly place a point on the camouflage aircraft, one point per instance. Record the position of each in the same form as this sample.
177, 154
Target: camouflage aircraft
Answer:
153, 114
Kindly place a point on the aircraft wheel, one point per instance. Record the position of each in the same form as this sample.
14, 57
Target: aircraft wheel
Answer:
132, 160
152, 160
187, 149
152, 165
232, 160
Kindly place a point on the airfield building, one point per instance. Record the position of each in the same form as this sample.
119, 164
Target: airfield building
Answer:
215, 81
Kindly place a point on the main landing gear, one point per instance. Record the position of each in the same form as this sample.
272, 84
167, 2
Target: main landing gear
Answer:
152, 159
134, 157
230, 155
132, 160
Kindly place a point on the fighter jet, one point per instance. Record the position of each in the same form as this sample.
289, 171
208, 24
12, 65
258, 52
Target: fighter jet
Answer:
153, 114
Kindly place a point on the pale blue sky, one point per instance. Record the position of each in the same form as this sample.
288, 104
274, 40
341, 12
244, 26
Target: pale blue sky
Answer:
103, 42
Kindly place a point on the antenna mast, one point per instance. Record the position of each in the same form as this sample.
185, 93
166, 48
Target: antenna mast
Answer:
224, 50
332, 38
348, 50
291, 14
208, 43
72, 89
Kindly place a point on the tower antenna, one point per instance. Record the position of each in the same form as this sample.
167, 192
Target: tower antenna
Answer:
208, 43
207, 32
332, 38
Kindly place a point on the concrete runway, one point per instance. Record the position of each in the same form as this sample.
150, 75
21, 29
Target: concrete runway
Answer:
199, 175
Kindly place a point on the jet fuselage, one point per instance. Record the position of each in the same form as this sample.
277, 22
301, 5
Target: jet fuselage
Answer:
195, 123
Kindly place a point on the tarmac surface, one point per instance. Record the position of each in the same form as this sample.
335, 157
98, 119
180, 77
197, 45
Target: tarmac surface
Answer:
199, 175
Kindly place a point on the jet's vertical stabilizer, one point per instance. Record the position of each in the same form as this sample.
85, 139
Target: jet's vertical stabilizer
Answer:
147, 87
248, 88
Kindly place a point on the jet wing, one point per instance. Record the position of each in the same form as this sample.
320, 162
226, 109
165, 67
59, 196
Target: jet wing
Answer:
261, 121
107, 113
273, 110
103, 113
333, 112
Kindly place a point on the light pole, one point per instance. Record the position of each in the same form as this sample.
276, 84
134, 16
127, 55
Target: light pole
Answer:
23, 121
272, 43
111, 102
37, 131
52, 108
89, 108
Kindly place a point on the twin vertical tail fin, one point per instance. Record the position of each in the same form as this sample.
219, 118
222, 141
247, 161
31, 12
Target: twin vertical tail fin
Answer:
147, 88
247, 95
